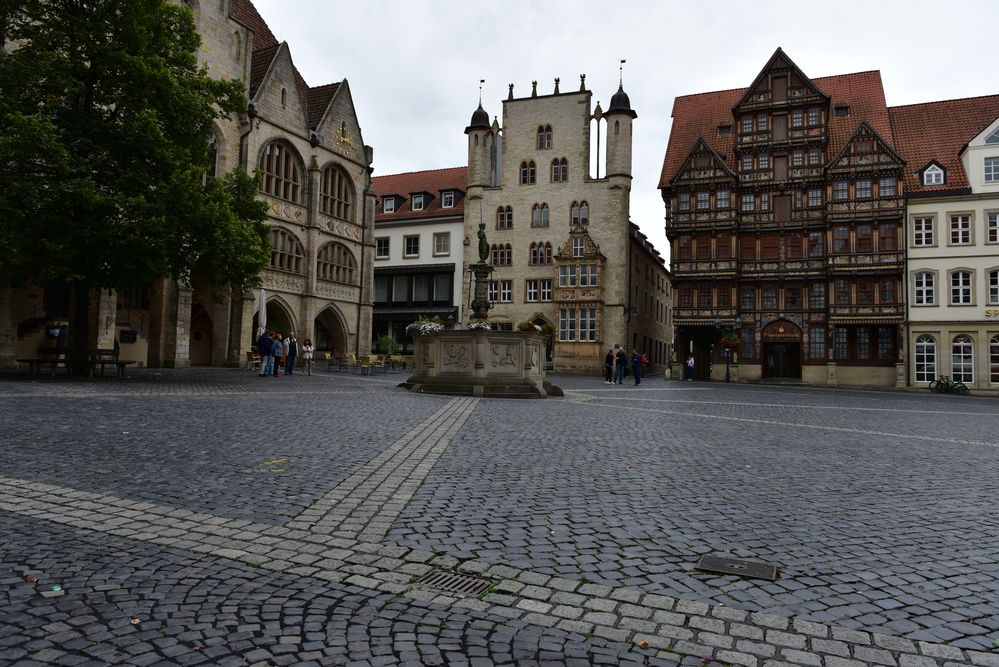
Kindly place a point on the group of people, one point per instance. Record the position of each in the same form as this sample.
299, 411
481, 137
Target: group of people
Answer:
276, 352
616, 365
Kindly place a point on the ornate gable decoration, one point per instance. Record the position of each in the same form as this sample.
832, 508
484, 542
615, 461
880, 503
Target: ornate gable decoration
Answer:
865, 151
703, 164
591, 250
767, 89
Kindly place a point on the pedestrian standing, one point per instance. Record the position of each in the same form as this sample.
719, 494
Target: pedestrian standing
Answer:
636, 366
278, 352
620, 364
290, 353
264, 347
609, 367
307, 351
690, 368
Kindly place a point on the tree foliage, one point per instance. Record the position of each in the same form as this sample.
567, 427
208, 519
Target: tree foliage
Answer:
104, 119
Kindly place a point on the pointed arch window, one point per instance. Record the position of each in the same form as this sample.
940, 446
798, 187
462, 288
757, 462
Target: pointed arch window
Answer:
560, 170
926, 358
504, 217
281, 172
528, 173
336, 262
501, 254
579, 213
544, 136
541, 253
213, 159
539, 215
286, 251
336, 194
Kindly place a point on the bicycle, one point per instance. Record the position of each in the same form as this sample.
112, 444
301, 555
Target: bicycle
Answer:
944, 385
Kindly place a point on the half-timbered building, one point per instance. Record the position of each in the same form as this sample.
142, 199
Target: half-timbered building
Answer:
784, 206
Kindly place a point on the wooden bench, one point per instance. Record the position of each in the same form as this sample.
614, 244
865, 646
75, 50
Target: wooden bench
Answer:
102, 358
51, 356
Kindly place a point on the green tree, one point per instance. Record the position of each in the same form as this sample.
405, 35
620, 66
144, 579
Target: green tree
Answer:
104, 120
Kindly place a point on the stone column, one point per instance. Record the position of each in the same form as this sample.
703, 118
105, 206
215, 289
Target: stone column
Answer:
102, 320
221, 314
170, 326
831, 373
8, 330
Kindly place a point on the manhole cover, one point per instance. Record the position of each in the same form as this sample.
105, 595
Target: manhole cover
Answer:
738, 567
452, 582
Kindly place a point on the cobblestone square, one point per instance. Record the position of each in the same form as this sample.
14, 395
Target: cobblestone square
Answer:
214, 517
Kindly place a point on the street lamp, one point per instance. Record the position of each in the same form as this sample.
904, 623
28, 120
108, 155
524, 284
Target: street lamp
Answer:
726, 348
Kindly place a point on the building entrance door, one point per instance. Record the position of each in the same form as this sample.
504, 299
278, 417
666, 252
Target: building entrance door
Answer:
783, 360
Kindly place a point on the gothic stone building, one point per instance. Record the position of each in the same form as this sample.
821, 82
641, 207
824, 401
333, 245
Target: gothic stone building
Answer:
784, 211
315, 169
560, 237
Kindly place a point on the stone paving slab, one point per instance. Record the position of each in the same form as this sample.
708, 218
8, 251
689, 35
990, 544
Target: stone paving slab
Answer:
674, 627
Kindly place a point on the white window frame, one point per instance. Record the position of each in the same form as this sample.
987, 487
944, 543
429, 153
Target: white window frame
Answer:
546, 289
924, 231
578, 247
925, 358
992, 226
722, 199
442, 244
962, 287
493, 291
506, 291
388, 204
889, 183
406, 243
703, 200
993, 287
924, 291
532, 291
841, 187
961, 227
962, 361
417, 203
388, 247
747, 203
863, 185
990, 169
447, 199
814, 197
933, 175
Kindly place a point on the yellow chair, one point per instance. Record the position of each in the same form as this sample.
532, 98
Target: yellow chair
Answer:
364, 364
351, 362
252, 361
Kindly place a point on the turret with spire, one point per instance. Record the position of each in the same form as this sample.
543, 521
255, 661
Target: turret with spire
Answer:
619, 116
480, 140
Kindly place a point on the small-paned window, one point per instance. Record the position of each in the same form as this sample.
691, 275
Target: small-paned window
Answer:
761, 122
814, 197
816, 244
797, 118
887, 187
960, 288
922, 231
747, 340
280, 173
887, 237
747, 162
442, 243
797, 158
993, 287
504, 217
746, 125
417, 202
924, 292
815, 156
763, 161
382, 248
863, 188
960, 230
841, 239
411, 245
841, 190
865, 238
841, 346
817, 344
528, 173
926, 358
747, 298
683, 201
544, 136
388, 205
992, 227
578, 247
746, 202
933, 175
539, 215
962, 359
814, 116
447, 200
703, 200
817, 296
992, 170
722, 199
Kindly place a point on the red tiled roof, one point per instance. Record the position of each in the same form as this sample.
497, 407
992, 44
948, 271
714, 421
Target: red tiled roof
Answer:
244, 13
433, 181
700, 115
319, 100
260, 60
939, 131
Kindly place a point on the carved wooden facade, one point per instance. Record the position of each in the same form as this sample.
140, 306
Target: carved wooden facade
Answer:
783, 210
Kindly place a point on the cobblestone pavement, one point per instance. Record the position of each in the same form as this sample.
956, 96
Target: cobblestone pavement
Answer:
235, 533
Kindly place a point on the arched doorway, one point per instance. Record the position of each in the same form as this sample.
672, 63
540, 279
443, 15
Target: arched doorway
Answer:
781, 349
279, 319
548, 332
201, 336
330, 332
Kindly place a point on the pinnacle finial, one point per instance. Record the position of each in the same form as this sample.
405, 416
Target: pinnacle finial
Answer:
556, 85
582, 83
534, 88
510, 94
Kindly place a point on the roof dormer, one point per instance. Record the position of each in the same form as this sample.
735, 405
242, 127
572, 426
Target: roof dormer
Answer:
933, 174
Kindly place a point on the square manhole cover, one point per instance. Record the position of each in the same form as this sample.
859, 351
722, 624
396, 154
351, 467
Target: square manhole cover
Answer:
738, 567
453, 582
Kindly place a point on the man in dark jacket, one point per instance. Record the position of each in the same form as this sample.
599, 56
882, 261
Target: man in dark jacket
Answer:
621, 363
264, 347
636, 366
609, 367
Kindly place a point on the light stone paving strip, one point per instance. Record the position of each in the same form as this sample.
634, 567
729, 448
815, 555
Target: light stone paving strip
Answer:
364, 505
665, 623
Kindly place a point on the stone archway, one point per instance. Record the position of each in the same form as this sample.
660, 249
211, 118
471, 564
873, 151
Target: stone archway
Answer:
329, 331
279, 318
781, 350
201, 336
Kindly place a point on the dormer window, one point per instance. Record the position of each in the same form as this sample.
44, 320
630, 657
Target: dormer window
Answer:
933, 175
842, 110
388, 205
724, 130
417, 202
447, 200
993, 138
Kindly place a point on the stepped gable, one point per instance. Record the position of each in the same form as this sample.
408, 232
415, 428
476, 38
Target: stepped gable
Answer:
432, 181
698, 116
939, 131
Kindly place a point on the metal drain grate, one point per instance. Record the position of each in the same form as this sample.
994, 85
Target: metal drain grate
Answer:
741, 568
452, 582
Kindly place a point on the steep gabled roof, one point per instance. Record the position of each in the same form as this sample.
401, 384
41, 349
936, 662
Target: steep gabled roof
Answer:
433, 181
244, 13
778, 60
863, 130
260, 62
939, 131
319, 100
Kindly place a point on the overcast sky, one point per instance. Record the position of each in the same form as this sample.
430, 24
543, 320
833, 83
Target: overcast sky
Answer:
414, 65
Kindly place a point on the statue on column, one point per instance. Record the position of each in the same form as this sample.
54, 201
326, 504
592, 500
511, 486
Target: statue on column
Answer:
483, 244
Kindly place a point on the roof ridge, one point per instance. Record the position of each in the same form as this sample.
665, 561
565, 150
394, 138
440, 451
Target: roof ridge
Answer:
812, 78
421, 171
955, 99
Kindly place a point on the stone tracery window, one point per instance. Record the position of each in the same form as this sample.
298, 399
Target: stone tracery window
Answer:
286, 251
281, 172
336, 262
336, 194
